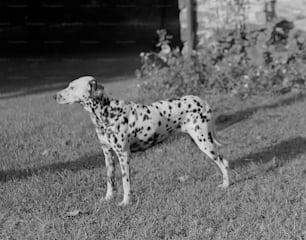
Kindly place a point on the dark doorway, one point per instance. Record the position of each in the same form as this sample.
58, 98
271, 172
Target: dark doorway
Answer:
77, 26
51, 41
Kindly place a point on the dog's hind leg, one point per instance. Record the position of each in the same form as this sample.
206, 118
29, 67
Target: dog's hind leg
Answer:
203, 137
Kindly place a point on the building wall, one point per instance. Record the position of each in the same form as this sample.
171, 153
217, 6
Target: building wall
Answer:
216, 14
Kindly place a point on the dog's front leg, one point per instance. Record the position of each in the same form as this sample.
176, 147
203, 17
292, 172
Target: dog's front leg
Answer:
110, 168
123, 157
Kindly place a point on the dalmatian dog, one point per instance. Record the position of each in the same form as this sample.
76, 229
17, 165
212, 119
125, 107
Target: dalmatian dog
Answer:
125, 127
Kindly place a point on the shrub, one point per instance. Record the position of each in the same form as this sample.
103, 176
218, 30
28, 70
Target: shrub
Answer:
242, 62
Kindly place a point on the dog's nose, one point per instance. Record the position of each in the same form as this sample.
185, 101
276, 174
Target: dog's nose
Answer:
54, 96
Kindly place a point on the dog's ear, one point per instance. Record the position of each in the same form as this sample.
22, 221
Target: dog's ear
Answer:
96, 90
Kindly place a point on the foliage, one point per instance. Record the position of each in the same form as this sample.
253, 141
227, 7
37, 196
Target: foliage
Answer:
246, 61
178, 78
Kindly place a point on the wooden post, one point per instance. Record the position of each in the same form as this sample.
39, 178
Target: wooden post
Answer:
190, 27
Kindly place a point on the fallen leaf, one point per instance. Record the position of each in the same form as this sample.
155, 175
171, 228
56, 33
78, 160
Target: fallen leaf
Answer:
259, 138
45, 152
183, 178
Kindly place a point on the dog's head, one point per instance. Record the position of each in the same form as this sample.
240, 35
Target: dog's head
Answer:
80, 90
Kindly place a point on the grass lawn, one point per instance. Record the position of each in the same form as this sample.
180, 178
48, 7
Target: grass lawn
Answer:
52, 176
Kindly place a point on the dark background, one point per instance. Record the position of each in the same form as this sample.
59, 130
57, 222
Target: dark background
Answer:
46, 43
46, 26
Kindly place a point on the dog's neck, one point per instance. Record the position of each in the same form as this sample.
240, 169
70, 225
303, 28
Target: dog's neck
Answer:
97, 107
92, 104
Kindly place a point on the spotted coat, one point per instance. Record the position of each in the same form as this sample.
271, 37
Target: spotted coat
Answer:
125, 127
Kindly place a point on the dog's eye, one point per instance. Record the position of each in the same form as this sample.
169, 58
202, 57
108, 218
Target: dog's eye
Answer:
71, 88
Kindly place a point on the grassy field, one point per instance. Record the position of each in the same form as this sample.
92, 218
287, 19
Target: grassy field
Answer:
52, 176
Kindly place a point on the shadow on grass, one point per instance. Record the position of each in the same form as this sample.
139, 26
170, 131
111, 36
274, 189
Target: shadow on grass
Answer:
48, 87
85, 162
34, 90
270, 158
224, 121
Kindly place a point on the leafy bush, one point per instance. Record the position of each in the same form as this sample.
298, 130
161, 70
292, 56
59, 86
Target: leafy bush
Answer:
243, 62
179, 77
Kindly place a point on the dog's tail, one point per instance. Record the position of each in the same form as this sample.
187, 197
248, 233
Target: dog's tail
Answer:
211, 126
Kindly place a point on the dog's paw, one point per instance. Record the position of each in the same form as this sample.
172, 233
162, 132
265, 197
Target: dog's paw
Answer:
107, 198
123, 203
223, 185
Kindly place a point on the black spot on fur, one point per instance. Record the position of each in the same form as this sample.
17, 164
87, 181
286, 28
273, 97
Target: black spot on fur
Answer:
112, 115
210, 138
105, 101
125, 120
204, 119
